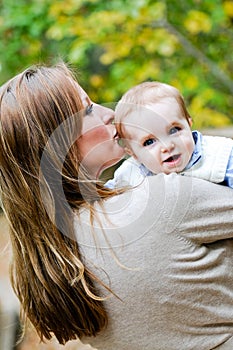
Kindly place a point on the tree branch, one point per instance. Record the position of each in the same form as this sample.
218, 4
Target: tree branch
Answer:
196, 53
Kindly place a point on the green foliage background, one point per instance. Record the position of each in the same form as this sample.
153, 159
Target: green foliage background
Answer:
117, 44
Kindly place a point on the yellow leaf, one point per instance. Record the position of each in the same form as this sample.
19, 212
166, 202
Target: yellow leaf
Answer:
177, 84
54, 32
156, 11
77, 51
166, 49
197, 104
208, 117
197, 21
67, 7
108, 95
96, 80
35, 47
149, 70
228, 8
158, 40
107, 58
191, 82
203, 116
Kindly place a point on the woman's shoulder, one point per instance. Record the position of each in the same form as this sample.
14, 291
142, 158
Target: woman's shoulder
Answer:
176, 182
170, 188
183, 192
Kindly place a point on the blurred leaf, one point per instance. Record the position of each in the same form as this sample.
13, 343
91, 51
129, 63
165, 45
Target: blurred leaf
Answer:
197, 21
117, 44
228, 8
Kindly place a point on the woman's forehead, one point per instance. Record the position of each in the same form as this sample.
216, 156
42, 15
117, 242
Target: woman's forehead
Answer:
86, 101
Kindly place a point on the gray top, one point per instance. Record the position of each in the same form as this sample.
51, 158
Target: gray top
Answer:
170, 263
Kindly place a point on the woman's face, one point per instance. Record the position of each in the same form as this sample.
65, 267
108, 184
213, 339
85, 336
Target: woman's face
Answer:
98, 142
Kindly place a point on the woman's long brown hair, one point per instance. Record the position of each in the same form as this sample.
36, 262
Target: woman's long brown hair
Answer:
57, 292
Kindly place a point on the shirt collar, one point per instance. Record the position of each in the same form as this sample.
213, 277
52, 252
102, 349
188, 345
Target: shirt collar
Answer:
197, 153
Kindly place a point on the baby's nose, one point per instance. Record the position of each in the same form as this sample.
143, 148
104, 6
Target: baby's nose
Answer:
168, 147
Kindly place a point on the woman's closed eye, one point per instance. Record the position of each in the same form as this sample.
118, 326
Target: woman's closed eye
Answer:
149, 142
174, 130
89, 109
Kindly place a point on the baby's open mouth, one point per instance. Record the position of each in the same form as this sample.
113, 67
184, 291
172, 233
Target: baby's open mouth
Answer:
172, 158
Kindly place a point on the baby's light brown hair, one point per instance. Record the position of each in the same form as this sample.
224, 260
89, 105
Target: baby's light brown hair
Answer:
142, 94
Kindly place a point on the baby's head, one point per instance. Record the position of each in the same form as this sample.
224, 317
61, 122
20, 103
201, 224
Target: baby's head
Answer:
155, 127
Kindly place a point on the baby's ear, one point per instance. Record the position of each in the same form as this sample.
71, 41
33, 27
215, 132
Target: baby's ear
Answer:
129, 152
190, 122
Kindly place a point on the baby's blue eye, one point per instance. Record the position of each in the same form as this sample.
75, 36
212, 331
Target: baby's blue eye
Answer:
174, 130
148, 142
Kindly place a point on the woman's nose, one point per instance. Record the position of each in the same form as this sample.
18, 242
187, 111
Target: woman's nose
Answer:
112, 129
106, 114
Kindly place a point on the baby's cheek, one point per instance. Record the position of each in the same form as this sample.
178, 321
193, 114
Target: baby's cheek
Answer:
148, 159
190, 146
140, 154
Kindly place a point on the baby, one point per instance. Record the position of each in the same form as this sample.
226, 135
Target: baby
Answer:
155, 130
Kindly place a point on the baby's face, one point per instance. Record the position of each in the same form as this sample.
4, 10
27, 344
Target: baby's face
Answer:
160, 137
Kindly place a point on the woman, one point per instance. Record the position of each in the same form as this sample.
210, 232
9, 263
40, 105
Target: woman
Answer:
146, 268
